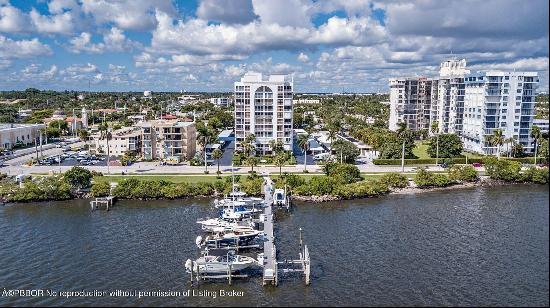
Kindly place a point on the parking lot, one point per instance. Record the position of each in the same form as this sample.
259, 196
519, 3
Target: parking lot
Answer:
74, 158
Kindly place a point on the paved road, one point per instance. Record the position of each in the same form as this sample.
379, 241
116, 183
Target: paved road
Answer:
227, 157
154, 168
299, 154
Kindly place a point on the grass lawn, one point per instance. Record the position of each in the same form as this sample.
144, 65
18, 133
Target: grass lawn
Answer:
421, 150
169, 178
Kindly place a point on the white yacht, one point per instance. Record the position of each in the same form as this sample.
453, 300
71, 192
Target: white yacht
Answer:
280, 198
216, 262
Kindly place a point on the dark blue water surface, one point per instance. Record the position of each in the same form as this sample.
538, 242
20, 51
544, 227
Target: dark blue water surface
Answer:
473, 247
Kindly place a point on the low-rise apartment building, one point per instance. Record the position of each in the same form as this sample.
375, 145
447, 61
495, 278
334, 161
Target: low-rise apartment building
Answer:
159, 139
19, 134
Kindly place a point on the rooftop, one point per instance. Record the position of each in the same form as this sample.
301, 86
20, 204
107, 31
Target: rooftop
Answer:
7, 126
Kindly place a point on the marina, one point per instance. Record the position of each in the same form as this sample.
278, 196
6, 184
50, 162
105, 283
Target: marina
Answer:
236, 229
466, 247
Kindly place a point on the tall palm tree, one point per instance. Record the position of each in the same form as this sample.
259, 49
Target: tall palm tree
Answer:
105, 133
217, 155
509, 143
536, 135
303, 143
205, 136
497, 139
333, 128
435, 130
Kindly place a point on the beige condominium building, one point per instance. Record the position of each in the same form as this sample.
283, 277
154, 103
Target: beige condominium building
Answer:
168, 140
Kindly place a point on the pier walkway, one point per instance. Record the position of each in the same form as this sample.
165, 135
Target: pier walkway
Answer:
270, 250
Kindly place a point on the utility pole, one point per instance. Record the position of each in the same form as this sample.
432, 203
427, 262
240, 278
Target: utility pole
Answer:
108, 152
41, 154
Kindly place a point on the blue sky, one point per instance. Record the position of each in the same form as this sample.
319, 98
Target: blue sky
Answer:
206, 45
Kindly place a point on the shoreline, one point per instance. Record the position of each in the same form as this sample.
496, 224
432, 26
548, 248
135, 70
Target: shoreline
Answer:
412, 189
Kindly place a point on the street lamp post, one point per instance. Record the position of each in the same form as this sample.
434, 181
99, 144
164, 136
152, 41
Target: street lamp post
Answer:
403, 157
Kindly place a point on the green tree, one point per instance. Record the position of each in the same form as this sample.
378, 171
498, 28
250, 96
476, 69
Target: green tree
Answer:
393, 146
280, 161
450, 145
83, 135
217, 154
543, 149
78, 177
276, 146
497, 139
504, 170
348, 151
536, 135
303, 143
252, 161
517, 150
59, 124
248, 145
105, 134
205, 136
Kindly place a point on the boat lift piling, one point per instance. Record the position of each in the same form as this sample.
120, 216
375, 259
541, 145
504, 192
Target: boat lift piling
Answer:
99, 202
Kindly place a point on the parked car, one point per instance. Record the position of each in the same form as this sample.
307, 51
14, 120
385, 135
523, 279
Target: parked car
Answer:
476, 165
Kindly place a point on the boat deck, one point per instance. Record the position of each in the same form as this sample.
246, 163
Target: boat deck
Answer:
270, 250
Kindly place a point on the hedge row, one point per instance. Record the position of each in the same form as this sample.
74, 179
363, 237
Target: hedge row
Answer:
425, 161
431, 161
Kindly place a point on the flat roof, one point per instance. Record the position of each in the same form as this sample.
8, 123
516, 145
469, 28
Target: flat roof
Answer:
6, 126
226, 133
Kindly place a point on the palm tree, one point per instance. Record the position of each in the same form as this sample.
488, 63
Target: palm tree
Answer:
252, 161
333, 127
248, 144
401, 128
83, 135
280, 161
497, 139
217, 155
105, 133
509, 143
536, 135
303, 143
435, 130
276, 146
205, 137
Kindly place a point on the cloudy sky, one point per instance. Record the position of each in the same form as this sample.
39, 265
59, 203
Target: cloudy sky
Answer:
205, 45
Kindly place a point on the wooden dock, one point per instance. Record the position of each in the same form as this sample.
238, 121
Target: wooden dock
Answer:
271, 265
270, 250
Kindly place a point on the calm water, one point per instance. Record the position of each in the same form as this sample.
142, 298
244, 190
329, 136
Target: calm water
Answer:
465, 247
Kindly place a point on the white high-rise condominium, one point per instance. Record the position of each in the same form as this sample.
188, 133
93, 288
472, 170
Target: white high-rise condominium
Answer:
263, 107
410, 102
498, 100
420, 101
470, 105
